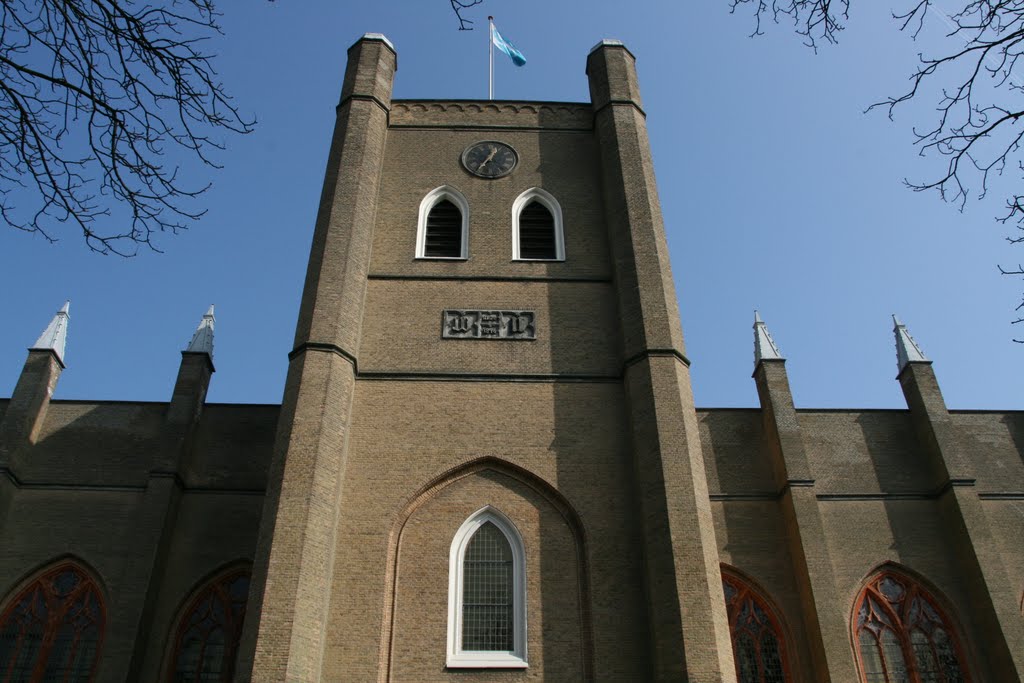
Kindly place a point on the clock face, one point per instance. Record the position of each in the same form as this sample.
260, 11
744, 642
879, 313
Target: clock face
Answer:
489, 159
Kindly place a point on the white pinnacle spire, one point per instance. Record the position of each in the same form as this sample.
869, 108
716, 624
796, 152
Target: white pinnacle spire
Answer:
202, 340
764, 345
907, 350
55, 335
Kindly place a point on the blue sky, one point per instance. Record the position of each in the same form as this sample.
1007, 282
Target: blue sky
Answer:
779, 193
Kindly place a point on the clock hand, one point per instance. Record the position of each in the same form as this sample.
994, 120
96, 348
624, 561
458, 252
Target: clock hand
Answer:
494, 150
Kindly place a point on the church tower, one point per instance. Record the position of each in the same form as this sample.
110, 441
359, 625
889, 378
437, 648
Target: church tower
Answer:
487, 456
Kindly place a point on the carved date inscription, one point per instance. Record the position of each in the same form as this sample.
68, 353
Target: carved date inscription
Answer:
512, 325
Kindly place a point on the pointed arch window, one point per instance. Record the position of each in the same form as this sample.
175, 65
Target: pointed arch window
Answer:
902, 636
206, 643
443, 229
487, 594
757, 640
53, 628
537, 227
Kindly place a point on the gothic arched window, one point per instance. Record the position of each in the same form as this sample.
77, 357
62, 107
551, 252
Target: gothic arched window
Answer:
757, 639
537, 227
53, 628
443, 229
206, 643
487, 594
902, 636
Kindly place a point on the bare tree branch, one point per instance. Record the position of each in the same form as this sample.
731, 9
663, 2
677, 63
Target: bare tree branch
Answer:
458, 6
815, 20
977, 128
98, 99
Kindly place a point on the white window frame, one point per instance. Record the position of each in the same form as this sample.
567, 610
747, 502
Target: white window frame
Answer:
552, 205
433, 197
504, 659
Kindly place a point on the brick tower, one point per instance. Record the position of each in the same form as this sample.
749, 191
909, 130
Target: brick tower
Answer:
488, 332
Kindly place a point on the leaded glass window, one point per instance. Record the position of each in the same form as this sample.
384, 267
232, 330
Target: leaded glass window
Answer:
756, 636
487, 601
487, 591
52, 630
902, 636
207, 639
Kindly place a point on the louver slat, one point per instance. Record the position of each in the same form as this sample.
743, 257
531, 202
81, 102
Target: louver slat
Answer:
444, 231
536, 233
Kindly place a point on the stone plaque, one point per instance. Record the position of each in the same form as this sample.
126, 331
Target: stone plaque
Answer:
513, 325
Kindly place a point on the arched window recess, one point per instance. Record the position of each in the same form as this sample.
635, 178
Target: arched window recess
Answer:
902, 636
758, 642
443, 226
537, 233
487, 594
52, 629
208, 630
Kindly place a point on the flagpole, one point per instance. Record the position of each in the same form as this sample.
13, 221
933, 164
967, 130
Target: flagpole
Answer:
490, 58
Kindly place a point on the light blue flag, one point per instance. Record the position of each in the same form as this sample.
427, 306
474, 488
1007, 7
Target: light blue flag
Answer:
508, 48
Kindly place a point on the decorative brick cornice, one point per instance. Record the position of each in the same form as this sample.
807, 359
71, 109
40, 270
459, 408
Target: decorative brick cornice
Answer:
491, 114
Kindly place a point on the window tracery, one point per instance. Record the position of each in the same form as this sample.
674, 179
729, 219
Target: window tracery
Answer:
756, 635
901, 635
52, 630
206, 643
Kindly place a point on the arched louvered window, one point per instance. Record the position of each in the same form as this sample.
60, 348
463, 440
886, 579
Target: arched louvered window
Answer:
537, 227
443, 231
52, 629
536, 232
902, 636
756, 634
487, 601
206, 643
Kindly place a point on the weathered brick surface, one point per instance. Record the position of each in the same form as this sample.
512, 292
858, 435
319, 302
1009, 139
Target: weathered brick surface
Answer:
566, 164
573, 321
688, 624
571, 437
753, 537
869, 451
27, 408
555, 633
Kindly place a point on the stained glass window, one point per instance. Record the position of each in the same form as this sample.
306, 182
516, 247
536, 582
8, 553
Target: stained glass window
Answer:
52, 630
756, 637
207, 638
902, 636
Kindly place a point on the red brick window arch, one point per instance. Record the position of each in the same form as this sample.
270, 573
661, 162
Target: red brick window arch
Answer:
757, 641
53, 628
902, 636
206, 643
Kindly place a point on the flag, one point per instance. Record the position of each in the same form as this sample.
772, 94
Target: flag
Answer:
508, 48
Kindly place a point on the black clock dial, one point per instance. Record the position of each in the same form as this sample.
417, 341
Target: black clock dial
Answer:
489, 159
